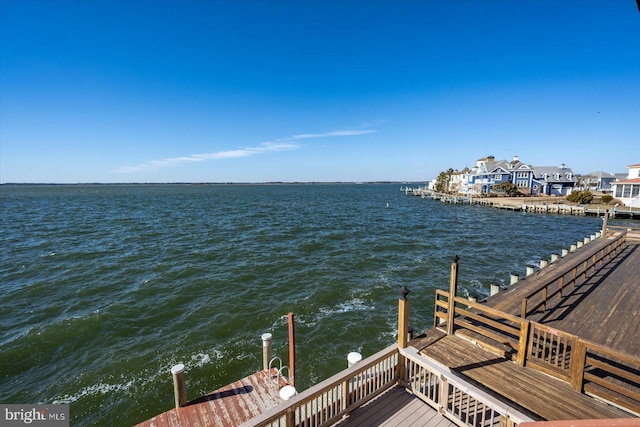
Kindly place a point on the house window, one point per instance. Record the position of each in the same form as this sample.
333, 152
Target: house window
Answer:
545, 176
556, 176
618, 191
569, 176
523, 174
626, 192
635, 190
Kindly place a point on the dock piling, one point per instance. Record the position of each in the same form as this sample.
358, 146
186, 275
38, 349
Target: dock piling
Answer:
292, 350
494, 289
530, 270
453, 288
554, 258
353, 358
515, 277
267, 352
605, 219
565, 252
403, 317
179, 385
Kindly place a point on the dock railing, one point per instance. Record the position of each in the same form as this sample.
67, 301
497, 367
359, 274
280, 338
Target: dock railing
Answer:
335, 397
590, 368
506, 331
453, 396
570, 275
327, 402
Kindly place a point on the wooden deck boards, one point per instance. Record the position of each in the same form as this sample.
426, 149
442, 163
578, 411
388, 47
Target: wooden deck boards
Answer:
395, 407
231, 405
531, 390
604, 309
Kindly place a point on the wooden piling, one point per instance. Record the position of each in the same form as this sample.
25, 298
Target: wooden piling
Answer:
292, 350
530, 270
453, 288
267, 352
179, 385
494, 288
514, 278
403, 318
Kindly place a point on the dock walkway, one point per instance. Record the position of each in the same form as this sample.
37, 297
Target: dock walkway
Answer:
600, 307
395, 407
531, 391
603, 308
231, 405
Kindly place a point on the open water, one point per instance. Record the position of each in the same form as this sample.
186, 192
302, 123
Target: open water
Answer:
105, 287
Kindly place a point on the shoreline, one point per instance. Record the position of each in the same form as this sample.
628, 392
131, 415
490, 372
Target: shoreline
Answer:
534, 204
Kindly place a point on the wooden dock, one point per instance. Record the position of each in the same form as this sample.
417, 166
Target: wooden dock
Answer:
395, 407
561, 344
568, 332
548, 205
231, 405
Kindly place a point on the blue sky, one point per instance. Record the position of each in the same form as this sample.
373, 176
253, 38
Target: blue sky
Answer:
258, 91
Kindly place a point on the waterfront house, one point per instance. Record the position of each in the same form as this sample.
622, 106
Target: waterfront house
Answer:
534, 180
488, 172
553, 180
458, 181
597, 181
628, 190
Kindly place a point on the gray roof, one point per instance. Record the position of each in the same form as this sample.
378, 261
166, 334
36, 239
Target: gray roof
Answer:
551, 171
600, 174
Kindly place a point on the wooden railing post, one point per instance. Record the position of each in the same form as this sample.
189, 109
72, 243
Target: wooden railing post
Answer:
403, 317
443, 398
290, 417
576, 364
604, 224
522, 343
453, 288
403, 329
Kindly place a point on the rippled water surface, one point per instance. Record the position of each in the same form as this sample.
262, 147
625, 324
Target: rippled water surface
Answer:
104, 288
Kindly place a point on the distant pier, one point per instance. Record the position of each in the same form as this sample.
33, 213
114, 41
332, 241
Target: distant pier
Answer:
524, 204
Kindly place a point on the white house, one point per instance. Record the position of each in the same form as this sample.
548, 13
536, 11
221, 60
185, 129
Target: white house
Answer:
628, 190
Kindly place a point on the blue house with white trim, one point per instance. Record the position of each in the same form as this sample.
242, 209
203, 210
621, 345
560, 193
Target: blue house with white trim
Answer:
488, 172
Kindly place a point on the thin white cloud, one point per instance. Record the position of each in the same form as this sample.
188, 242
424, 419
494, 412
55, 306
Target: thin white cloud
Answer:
265, 147
330, 134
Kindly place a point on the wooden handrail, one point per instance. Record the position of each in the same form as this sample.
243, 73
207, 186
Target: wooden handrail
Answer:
451, 383
555, 352
303, 403
518, 330
581, 265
